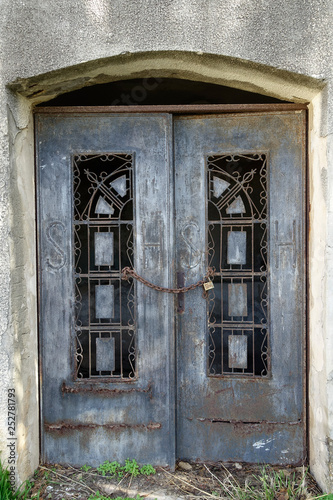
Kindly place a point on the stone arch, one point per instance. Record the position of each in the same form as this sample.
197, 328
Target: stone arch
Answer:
209, 68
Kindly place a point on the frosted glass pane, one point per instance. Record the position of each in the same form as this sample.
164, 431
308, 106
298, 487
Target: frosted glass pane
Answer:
103, 249
236, 247
236, 207
105, 354
104, 301
103, 207
120, 185
237, 347
237, 299
220, 186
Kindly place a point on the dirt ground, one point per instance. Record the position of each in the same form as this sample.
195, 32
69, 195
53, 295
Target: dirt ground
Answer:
189, 481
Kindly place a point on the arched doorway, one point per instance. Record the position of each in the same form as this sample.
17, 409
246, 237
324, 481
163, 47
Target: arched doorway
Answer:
171, 193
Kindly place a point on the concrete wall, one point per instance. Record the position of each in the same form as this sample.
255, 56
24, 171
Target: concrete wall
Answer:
277, 48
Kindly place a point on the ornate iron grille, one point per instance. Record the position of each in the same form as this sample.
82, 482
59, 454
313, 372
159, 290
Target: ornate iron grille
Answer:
105, 329
238, 342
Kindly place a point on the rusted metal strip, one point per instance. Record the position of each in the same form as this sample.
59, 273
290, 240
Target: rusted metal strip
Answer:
105, 391
176, 109
66, 426
238, 422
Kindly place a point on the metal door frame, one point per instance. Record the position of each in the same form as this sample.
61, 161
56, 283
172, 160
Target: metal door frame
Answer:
176, 109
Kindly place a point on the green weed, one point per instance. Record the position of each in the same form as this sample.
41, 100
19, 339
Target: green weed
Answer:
280, 482
147, 470
46, 474
6, 491
98, 496
270, 485
85, 468
131, 467
111, 468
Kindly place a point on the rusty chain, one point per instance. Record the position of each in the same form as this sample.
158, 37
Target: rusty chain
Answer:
127, 271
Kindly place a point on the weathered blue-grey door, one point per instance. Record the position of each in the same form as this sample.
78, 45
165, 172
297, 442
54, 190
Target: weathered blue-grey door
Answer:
240, 355
107, 346
128, 371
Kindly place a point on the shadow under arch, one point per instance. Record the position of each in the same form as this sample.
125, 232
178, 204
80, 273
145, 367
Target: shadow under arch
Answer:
157, 91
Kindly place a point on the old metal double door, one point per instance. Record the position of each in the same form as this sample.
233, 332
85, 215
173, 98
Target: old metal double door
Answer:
129, 371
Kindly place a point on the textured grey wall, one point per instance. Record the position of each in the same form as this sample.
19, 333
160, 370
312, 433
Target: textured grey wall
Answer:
42, 36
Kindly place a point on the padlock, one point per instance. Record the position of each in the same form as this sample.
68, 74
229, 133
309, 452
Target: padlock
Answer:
208, 285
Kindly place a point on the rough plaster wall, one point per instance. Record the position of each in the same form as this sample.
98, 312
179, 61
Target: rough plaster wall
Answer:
293, 35
18, 326
329, 302
318, 177
321, 292
23, 287
42, 35
288, 35
6, 338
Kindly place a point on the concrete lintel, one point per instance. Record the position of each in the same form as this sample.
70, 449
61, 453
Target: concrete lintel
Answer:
210, 68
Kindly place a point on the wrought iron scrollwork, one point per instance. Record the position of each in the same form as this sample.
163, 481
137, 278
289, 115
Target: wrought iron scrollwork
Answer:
237, 231
105, 307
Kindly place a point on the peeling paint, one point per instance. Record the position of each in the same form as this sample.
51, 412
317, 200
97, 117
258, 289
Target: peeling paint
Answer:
262, 443
105, 391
